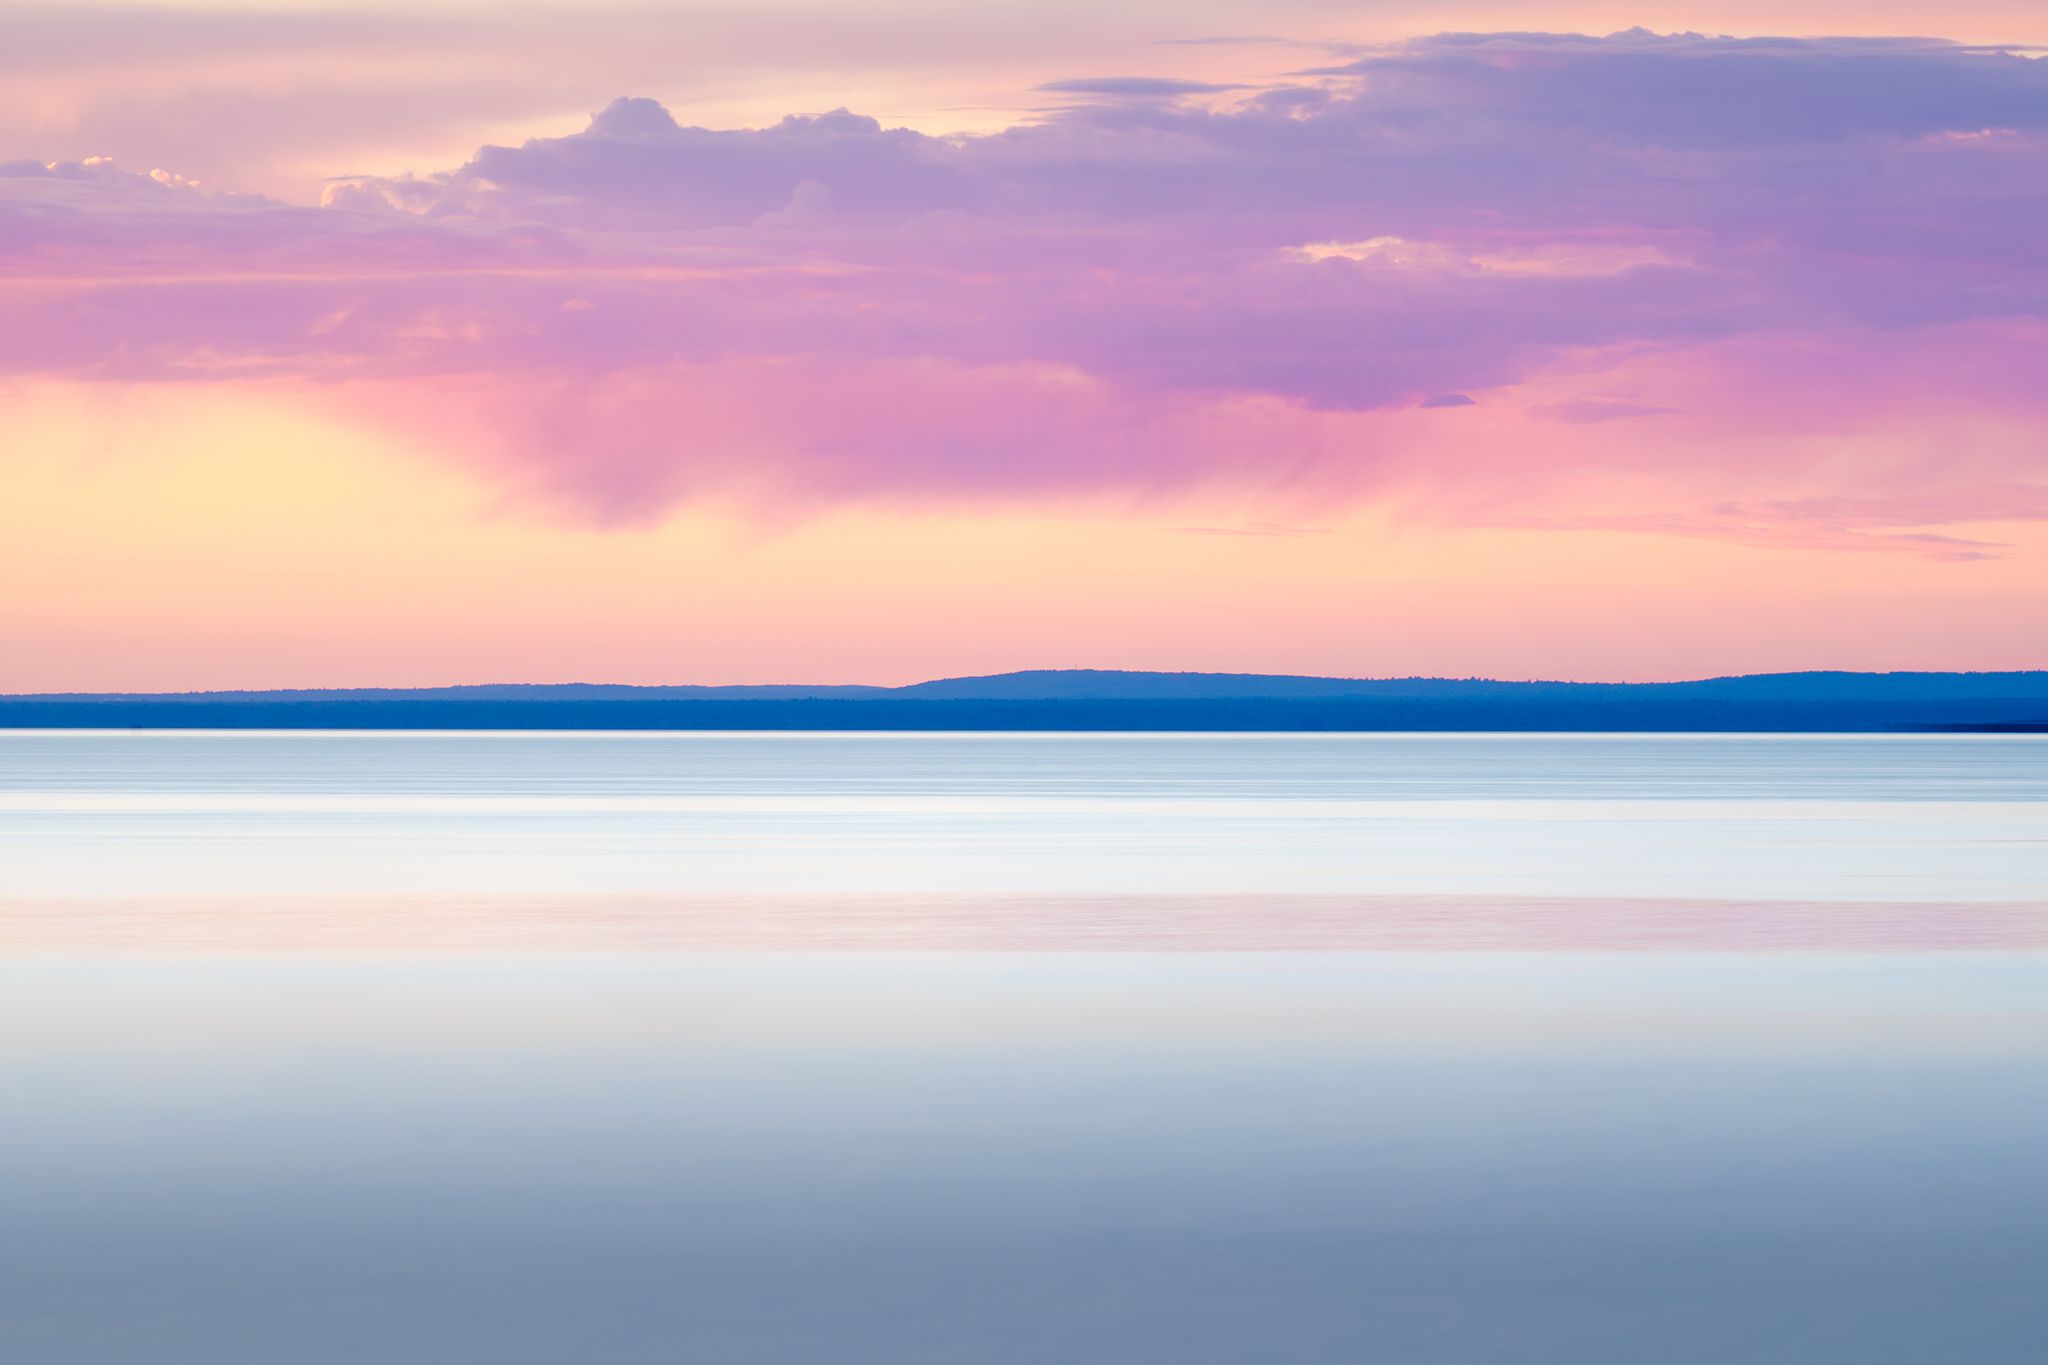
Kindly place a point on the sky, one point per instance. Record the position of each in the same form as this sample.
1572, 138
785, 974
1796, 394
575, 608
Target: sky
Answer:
449, 342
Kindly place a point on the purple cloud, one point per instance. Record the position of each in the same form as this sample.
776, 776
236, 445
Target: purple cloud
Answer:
869, 311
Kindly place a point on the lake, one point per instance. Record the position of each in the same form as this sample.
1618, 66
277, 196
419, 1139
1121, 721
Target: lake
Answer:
430, 1047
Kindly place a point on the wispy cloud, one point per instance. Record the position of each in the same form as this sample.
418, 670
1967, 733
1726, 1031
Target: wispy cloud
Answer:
1136, 87
1873, 525
1264, 529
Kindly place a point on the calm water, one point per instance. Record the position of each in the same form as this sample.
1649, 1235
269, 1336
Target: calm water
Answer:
767, 1048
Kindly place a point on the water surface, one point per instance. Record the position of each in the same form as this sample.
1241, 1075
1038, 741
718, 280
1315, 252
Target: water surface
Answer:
765, 1048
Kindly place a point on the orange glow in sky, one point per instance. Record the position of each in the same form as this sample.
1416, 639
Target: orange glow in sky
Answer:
416, 345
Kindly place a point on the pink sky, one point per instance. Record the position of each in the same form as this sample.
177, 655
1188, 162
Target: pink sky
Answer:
689, 343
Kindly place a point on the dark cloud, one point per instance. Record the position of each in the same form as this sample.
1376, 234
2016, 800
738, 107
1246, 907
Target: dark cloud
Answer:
1692, 90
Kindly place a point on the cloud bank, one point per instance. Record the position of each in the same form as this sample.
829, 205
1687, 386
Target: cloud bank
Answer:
1163, 285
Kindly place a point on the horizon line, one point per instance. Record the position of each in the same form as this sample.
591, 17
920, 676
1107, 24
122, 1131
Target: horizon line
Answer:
1037, 672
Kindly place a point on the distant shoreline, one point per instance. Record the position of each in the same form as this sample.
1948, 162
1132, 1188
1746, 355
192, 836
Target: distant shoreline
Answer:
969, 716
1099, 700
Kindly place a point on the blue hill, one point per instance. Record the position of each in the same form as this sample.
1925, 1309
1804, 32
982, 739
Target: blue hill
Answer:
1091, 699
